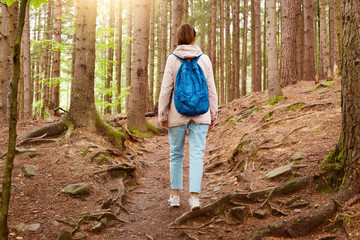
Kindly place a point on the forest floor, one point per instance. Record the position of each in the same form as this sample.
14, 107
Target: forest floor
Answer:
250, 139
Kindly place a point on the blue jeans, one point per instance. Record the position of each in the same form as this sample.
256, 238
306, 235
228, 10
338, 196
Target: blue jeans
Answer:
197, 141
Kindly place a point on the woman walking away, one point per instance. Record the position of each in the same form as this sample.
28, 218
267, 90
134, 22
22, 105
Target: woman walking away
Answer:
188, 64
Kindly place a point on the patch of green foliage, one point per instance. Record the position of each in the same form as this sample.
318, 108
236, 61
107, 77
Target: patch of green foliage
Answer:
275, 100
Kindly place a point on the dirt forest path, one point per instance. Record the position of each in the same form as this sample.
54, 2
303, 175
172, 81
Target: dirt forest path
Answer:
148, 202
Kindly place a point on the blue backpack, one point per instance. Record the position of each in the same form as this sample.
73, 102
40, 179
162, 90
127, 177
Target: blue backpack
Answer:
191, 97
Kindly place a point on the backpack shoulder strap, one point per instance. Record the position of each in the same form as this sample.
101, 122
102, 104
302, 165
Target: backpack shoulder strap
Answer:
197, 58
182, 60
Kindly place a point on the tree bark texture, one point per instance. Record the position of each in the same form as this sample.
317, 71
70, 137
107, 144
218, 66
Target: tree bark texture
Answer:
119, 60
213, 37
55, 95
177, 15
338, 31
82, 106
163, 46
309, 63
236, 49
300, 40
273, 72
47, 62
139, 73
332, 34
325, 67
288, 65
222, 80
4, 61
150, 101
9, 164
350, 91
110, 58
229, 85
27, 68
244, 49
256, 55
129, 48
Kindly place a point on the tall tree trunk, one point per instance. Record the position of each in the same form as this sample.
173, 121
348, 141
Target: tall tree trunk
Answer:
222, 80
163, 46
37, 110
213, 37
177, 15
139, 74
4, 61
27, 68
129, 19
47, 62
56, 58
337, 9
119, 60
300, 40
325, 68
9, 163
332, 35
150, 100
110, 58
265, 78
288, 65
309, 64
202, 28
82, 104
236, 48
229, 81
244, 50
274, 84
256, 55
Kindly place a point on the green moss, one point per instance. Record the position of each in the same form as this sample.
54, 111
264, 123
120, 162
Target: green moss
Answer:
152, 128
326, 84
275, 100
295, 106
116, 137
239, 147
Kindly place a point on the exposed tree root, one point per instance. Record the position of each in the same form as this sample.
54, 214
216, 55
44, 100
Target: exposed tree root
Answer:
306, 222
229, 201
51, 129
67, 136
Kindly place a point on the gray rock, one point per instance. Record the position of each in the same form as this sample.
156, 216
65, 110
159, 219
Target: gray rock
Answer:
29, 170
23, 227
278, 171
20, 227
79, 236
76, 189
63, 235
261, 214
239, 213
298, 156
33, 227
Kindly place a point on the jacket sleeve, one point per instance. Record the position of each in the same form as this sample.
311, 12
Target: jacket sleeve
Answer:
213, 98
167, 86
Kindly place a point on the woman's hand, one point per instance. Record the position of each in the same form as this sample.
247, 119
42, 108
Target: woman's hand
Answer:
212, 124
164, 125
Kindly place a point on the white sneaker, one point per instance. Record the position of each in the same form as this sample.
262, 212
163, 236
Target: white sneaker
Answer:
174, 201
194, 203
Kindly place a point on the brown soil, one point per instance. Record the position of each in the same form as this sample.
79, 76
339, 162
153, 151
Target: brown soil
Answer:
273, 134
